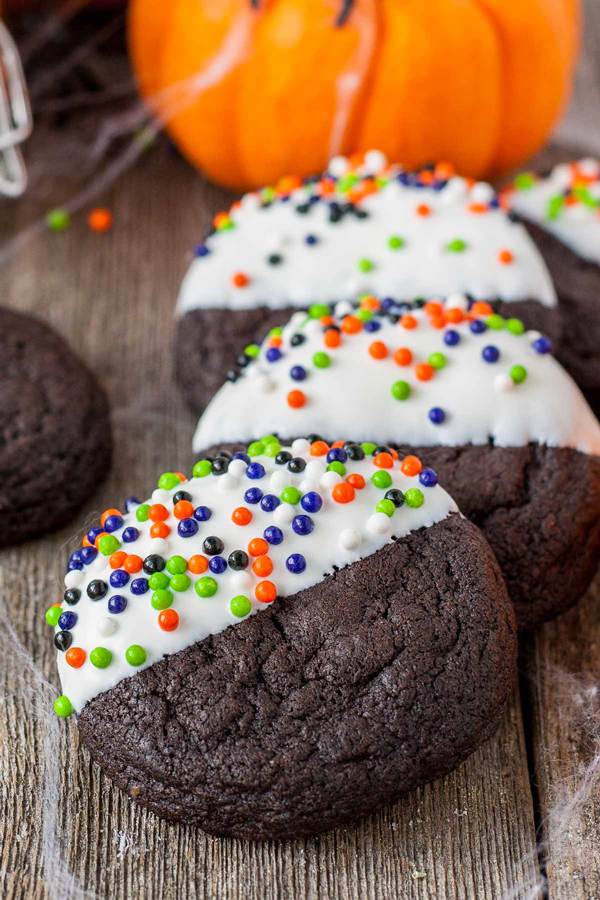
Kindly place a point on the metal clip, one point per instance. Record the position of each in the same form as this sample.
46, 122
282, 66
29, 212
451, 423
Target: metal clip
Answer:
15, 117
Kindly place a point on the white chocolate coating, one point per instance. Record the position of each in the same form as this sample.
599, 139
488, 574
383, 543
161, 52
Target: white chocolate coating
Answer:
343, 533
352, 398
566, 203
332, 268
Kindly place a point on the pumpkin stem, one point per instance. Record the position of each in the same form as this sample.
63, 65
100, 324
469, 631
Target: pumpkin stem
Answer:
255, 4
344, 13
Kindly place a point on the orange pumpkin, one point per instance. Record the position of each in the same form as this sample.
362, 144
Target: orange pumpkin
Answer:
254, 89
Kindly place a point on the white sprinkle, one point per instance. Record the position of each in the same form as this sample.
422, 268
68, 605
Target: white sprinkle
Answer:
300, 446
99, 564
338, 166
161, 496
482, 192
227, 482
455, 190
329, 480
343, 308
284, 514
533, 335
279, 480
378, 523
375, 161
237, 468
315, 469
503, 383
73, 578
159, 545
250, 202
106, 627
308, 485
240, 580
350, 539
456, 301
265, 385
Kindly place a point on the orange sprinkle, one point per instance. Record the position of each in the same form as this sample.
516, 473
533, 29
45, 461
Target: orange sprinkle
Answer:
258, 547
326, 320
325, 186
262, 566
424, 371
343, 492
403, 356
160, 530
117, 559
275, 341
477, 208
438, 321
338, 444
221, 219
86, 541
394, 453
505, 257
240, 280
101, 535
351, 325
423, 210
332, 338
408, 321
296, 399
288, 183
357, 481
107, 513
378, 350
197, 564
133, 564
265, 591
384, 461
158, 512
319, 448
411, 465
455, 315
369, 186
370, 302
426, 176
183, 510
481, 309
100, 220
180, 476
241, 516
444, 170
75, 657
433, 308
168, 620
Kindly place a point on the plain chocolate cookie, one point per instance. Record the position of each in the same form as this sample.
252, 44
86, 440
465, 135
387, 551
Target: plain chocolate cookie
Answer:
55, 436
326, 706
538, 508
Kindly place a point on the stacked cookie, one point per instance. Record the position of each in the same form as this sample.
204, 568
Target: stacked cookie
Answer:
308, 627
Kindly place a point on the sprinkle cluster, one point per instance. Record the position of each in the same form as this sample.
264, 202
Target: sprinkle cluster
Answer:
239, 534
576, 189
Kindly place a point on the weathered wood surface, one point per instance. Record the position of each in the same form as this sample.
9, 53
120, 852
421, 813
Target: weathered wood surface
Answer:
470, 835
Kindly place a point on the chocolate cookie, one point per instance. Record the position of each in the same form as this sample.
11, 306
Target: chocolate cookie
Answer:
477, 397
55, 437
561, 213
269, 660
374, 229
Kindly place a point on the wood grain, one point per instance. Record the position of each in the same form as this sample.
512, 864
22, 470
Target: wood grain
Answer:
469, 835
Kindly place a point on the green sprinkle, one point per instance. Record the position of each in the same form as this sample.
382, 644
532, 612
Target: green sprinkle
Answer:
168, 481
57, 220
272, 449
584, 196
337, 466
267, 193
524, 181
179, 583
437, 360
381, 479
162, 599
321, 360
276, 331
206, 587
176, 565
100, 657
202, 469
136, 655
52, 615
380, 181
142, 511
63, 707
256, 448
414, 497
554, 207
269, 439
108, 544
318, 310
252, 350
365, 265
515, 326
363, 315
240, 606
395, 242
518, 374
495, 322
456, 246
387, 507
158, 581
347, 182
401, 390
368, 448
291, 495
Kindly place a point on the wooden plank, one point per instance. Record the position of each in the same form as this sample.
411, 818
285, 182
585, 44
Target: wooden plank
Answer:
468, 835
